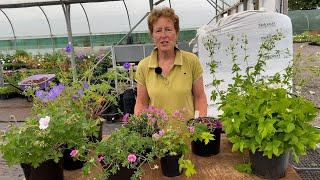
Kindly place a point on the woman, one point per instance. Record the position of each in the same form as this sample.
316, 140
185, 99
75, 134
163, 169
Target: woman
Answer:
169, 79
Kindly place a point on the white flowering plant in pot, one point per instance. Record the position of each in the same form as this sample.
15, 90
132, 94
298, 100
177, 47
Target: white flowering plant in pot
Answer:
57, 119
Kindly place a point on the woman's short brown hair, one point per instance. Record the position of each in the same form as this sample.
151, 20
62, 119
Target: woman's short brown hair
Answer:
163, 12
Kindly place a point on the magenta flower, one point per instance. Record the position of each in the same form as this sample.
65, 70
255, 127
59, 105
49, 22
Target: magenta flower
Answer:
125, 118
191, 129
74, 153
126, 66
100, 158
132, 158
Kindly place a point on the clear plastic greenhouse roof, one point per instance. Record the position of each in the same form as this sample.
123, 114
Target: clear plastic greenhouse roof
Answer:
105, 16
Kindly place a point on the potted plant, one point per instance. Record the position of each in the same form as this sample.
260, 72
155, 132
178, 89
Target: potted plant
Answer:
41, 139
260, 116
171, 148
122, 154
205, 135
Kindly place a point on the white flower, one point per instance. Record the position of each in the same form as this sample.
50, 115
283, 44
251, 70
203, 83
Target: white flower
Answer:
312, 92
155, 167
232, 120
220, 112
289, 110
44, 122
275, 86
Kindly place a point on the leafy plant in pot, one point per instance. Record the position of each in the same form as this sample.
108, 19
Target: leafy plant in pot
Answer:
39, 141
261, 117
122, 154
205, 135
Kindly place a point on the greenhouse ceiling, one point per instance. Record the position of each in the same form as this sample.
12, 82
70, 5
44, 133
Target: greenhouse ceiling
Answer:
30, 3
104, 16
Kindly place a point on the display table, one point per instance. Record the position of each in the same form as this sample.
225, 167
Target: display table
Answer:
220, 166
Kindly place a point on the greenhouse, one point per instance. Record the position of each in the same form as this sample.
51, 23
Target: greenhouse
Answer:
159, 89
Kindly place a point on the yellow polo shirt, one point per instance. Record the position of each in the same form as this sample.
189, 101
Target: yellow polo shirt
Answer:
174, 91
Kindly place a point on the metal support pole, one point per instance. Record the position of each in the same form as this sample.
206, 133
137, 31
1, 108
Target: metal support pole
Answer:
90, 33
151, 4
14, 34
128, 16
51, 35
66, 10
1, 75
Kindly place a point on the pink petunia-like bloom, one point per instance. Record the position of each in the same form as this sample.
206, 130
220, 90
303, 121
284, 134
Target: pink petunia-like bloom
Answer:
125, 118
161, 133
191, 129
100, 158
132, 158
74, 153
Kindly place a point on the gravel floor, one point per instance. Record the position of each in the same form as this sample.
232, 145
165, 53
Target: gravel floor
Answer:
20, 108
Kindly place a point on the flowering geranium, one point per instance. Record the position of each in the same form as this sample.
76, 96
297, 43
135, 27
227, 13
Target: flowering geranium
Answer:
123, 149
56, 121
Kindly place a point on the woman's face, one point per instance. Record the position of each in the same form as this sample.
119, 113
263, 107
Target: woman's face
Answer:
164, 35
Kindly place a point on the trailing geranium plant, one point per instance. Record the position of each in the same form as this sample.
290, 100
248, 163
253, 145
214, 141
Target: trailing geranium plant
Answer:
123, 149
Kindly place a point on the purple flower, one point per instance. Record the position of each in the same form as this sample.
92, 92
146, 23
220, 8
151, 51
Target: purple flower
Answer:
69, 48
125, 118
74, 97
51, 95
218, 124
132, 158
41, 94
80, 56
126, 66
80, 92
85, 85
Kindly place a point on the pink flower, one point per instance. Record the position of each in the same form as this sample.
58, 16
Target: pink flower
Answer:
100, 158
74, 153
176, 114
132, 158
161, 133
125, 118
191, 129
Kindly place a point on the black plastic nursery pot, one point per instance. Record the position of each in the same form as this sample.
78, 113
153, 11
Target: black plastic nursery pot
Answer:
48, 170
111, 114
212, 148
123, 174
274, 168
170, 165
129, 101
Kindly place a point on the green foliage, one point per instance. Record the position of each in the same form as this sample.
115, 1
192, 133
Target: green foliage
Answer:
245, 167
118, 147
142, 125
70, 124
303, 4
259, 115
188, 166
202, 133
202, 128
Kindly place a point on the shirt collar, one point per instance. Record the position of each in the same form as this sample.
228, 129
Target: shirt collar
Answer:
153, 62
